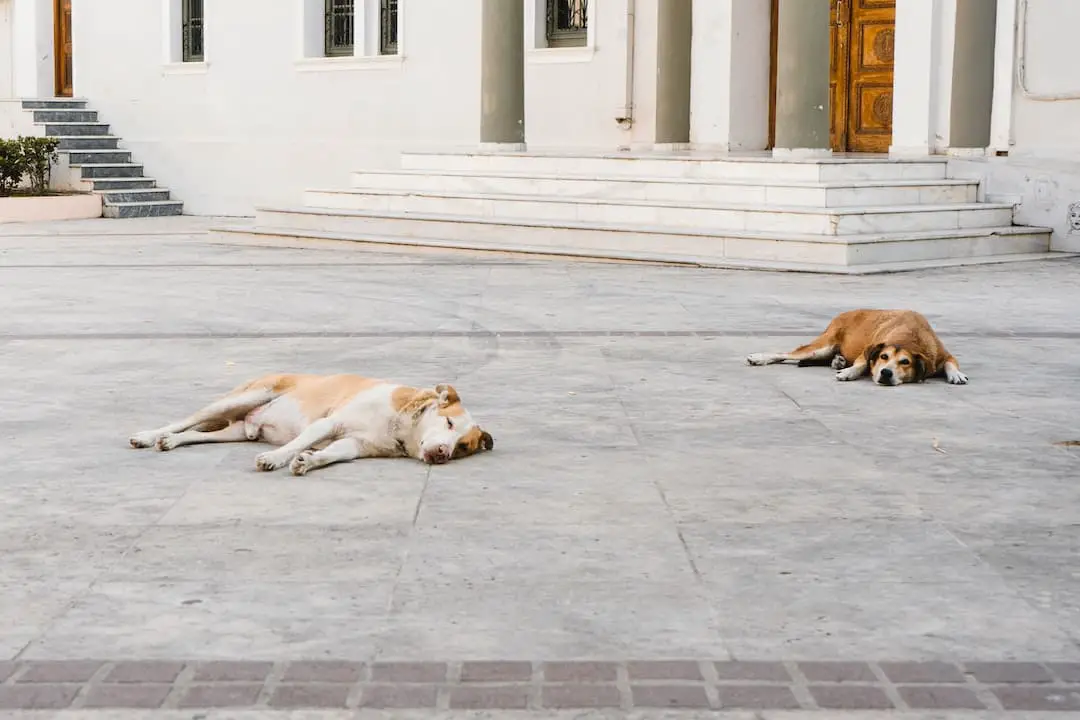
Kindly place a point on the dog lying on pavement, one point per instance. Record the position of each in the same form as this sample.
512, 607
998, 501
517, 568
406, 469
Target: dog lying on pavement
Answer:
317, 420
895, 346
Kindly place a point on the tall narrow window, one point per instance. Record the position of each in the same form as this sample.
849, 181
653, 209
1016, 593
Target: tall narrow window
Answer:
388, 27
192, 31
340, 27
567, 23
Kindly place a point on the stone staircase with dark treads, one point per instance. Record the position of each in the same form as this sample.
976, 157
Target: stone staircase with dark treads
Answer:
103, 166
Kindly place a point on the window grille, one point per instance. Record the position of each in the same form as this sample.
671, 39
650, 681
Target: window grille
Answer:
388, 27
567, 23
192, 31
340, 27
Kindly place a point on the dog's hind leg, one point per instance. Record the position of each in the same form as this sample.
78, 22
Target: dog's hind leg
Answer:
233, 432
214, 416
820, 350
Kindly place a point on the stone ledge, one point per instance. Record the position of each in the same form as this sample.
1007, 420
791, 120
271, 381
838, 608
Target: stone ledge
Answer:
81, 206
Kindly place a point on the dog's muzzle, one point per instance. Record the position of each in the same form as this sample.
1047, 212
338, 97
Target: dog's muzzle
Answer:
438, 456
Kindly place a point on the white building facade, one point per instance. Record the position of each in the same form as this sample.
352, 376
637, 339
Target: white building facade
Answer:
240, 103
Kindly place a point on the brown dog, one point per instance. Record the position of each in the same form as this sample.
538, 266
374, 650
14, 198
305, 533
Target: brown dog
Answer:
897, 346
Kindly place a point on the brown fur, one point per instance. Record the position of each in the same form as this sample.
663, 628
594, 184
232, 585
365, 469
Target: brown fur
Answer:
876, 336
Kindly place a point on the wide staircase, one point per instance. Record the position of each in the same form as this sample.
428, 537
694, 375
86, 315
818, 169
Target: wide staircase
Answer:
844, 214
102, 166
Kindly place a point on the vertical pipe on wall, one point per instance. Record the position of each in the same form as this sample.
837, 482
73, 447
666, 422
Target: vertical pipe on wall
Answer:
626, 120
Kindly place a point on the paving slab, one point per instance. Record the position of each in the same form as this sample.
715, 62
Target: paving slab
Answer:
661, 531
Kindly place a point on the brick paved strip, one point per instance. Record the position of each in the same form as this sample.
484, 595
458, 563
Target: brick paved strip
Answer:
581, 672
815, 686
763, 671
1009, 672
226, 671
567, 697
922, 672
60, 671
1017, 697
850, 697
940, 697
669, 696
757, 697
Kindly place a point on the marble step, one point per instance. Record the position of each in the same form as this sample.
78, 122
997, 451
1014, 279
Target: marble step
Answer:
111, 170
65, 115
156, 208
675, 165
98, 156
731, 216
62, 129
133, 195
811, 194
120, 183
668, 244
54, 104
87, 142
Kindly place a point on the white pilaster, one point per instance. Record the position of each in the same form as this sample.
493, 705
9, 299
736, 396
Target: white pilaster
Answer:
32, 48
729, 77
917, 88
1004, 67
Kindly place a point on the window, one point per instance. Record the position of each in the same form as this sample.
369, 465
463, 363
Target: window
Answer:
388, 27
191, 30
340, 28
567, 23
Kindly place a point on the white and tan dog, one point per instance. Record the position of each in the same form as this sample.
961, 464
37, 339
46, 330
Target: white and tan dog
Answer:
896, 346
317, 420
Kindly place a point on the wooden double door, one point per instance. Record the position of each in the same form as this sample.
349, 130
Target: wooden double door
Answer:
862, 38
62, 52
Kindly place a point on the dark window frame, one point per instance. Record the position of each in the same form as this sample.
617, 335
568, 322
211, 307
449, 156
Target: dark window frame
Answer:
565, 28
339, 39
191, 31
388, 27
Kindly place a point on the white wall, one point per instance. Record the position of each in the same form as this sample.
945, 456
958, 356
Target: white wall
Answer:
1041, 127
33, 73
256, 124
7, 79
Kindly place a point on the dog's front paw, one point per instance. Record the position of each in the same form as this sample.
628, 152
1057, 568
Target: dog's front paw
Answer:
839, 362
302, 463
955, 377
272, 460
755, 359
848, 374
143, 439
165, 443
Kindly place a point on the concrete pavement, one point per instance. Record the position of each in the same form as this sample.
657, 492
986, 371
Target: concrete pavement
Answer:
650, 496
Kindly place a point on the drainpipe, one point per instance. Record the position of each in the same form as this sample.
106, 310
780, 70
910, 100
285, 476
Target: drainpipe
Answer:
626, 120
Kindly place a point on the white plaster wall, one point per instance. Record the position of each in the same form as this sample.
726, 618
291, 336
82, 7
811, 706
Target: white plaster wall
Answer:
1049, 128
255, 126
33, 73
7, 79
574, 95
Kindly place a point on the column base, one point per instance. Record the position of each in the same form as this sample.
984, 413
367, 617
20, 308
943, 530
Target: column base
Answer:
502, 147
801, 153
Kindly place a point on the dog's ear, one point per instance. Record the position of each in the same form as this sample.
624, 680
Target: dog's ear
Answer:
872, 353
447, 395
486, 441
920, 367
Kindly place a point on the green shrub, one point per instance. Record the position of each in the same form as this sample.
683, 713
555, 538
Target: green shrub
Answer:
12, 165
39, 153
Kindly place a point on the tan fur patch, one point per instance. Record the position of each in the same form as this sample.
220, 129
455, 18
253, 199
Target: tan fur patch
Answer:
472, 442
322, 396
410, 400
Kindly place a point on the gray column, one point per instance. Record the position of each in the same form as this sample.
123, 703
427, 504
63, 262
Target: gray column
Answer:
502, 72
802, 76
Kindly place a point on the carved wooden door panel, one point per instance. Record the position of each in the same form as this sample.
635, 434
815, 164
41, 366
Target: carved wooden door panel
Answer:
861, 78
62, 48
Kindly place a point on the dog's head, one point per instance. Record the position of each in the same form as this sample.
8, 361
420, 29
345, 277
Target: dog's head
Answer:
895, 365
446, 430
